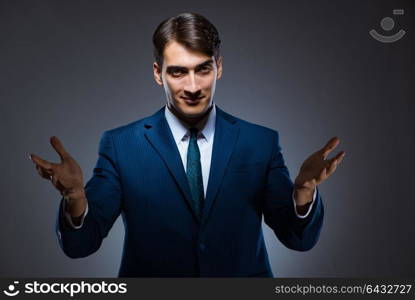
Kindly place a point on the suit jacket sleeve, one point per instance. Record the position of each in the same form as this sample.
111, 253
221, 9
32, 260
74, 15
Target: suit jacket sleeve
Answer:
104, 195
279, 214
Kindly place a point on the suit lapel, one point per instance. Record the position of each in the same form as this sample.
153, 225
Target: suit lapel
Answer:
226, 134
160, 137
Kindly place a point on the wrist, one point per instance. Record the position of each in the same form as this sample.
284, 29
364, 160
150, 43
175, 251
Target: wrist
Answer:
303, 196
75, 202
74, 194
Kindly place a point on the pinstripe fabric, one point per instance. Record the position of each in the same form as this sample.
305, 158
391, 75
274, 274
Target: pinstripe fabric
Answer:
140, 175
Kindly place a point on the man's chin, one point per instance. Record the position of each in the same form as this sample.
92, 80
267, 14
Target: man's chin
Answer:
192, 112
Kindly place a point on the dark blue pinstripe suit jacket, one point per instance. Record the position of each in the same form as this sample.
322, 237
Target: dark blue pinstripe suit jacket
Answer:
139, 174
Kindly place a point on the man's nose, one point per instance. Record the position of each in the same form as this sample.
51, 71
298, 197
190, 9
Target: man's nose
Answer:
192, 86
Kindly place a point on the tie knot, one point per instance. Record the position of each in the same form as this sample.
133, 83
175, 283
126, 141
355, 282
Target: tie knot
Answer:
193, 132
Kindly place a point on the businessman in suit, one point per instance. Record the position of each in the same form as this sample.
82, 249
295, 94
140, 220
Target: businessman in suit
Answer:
191, 182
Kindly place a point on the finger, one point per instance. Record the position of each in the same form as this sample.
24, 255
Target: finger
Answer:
41, 162
57, 145
322, 176
331, 144
331, 168
339, 157
54, 180
43, 173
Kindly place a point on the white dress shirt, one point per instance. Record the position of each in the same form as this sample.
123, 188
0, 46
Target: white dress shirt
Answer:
205, 136
181, 135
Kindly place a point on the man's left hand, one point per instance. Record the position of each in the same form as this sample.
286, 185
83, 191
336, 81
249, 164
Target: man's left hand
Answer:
315, 169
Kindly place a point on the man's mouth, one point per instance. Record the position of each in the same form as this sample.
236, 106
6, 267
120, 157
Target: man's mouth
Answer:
192, 100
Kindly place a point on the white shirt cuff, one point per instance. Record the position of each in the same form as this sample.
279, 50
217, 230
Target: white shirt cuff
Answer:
69, 218
309, 208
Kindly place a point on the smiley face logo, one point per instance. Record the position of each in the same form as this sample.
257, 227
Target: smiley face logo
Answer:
11, 291
387, 24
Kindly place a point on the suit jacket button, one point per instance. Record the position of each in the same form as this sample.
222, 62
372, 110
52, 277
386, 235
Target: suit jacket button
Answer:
202, 247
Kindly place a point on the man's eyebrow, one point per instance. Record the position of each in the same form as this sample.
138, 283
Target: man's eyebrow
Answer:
180, 68
205, 63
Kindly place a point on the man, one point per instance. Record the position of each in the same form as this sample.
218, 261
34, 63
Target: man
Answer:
191, 181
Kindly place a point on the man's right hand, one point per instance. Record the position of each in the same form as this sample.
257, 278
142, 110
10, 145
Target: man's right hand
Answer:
66, 176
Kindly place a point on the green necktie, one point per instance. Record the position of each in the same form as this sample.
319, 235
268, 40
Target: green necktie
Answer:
194, 173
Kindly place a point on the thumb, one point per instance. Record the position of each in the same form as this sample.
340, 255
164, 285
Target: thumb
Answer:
57, 145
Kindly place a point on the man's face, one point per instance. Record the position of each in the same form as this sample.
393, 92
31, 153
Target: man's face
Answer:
189, 80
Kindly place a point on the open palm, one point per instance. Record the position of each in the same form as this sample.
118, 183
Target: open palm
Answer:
316, 168
66, 176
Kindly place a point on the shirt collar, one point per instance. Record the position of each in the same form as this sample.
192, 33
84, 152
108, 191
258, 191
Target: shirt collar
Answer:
180, 129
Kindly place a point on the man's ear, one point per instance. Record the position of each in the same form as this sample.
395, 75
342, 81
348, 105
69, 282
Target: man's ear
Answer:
157, 73
219, 66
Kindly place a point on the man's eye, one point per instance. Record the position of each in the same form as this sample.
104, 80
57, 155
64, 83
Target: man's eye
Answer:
205, 69
176, 73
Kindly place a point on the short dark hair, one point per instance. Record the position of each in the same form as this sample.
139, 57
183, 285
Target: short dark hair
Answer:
192, 30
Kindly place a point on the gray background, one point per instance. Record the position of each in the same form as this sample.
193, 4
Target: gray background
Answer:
308, 69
